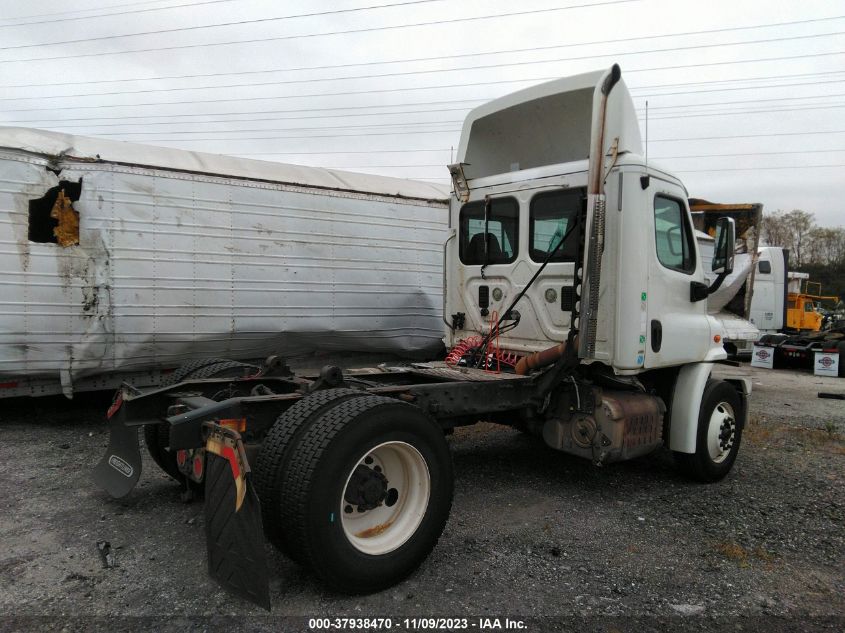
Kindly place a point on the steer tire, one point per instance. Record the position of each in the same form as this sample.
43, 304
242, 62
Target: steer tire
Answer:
271, 467
366, 550
710, 462
157, 436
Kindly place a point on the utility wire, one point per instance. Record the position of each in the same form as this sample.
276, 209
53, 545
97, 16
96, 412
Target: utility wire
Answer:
697, 171
407, 73
723, 103
441, 165
112, 6
416, 88
371, 151
397, 132
223, 24
359, 114
735, 112
735, 136
307, 136
278, 38
800, 151
399, 124
370, 108
436, 58
335, 109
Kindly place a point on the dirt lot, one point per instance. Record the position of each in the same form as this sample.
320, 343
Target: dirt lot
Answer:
534, 534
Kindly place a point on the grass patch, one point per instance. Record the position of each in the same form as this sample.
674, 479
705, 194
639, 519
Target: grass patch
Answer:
732, 551
761, 431
743, 557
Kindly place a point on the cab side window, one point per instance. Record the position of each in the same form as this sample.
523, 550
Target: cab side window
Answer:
673, 235
498, 245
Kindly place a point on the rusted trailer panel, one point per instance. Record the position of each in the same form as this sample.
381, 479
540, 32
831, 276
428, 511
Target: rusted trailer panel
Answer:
121, 260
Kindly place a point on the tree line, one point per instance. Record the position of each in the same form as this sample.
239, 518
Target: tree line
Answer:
813, 249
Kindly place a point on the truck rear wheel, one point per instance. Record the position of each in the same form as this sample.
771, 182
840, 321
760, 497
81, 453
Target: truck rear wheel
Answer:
157, 436
718, 436
271, 466
369, 493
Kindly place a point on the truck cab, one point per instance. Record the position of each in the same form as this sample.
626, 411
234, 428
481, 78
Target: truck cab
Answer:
525, 169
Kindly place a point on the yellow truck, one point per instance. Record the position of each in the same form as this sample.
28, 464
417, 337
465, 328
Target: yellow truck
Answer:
802, 306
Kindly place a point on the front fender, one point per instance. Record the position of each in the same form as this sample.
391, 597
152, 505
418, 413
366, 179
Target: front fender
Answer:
686, 405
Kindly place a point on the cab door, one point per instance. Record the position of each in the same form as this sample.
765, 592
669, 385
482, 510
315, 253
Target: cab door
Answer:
677, 329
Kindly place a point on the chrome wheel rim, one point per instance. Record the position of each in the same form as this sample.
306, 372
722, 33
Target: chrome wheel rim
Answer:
721, 432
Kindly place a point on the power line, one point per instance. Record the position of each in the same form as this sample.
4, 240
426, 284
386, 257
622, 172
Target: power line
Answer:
371, 151
378, 125
308, 136
734, 88
420, 72
287, 129
104, 15
416, 88
394, 166
691, 171
734, 112
359, 114
734, 136
800, 151
370, 108
148, 116
222, 24
439, 57
374, 126
310, 35
722, 103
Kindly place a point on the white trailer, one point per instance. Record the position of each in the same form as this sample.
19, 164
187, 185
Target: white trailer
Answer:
123, 260
583, 276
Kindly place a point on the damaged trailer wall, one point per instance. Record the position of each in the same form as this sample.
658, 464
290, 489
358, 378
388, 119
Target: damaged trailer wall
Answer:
172, 265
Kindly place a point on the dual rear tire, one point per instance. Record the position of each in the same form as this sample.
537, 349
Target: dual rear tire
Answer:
356, 487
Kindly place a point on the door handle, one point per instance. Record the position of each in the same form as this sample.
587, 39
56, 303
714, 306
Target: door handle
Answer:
656, 335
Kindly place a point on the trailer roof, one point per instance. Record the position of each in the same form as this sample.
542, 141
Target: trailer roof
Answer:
58, 144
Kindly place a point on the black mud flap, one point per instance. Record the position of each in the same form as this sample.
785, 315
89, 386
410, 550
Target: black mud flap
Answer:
120, 468
233, 528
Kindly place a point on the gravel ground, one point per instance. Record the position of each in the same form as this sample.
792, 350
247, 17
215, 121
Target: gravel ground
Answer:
534, 534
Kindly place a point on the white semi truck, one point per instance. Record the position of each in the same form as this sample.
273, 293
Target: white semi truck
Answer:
575, 309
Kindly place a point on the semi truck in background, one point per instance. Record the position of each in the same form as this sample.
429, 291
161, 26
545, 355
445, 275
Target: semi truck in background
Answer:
762, 300
751, 302
124, 261
575, 305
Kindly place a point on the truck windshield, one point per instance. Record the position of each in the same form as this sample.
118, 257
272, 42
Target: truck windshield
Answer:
501, 236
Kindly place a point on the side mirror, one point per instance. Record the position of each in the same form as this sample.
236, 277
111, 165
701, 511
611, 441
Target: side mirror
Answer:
723, 255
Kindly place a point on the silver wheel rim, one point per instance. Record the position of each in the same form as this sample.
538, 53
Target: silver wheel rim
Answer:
721, 432
401, 472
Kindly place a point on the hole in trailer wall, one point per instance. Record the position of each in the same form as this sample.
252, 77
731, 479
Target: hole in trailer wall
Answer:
52, 218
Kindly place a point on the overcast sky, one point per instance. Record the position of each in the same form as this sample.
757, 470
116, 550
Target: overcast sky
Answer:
746, 97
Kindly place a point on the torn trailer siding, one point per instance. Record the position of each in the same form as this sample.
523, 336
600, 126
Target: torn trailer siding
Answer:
120, 260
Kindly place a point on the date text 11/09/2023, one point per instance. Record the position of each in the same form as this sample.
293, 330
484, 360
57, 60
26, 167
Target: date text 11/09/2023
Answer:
416, 624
